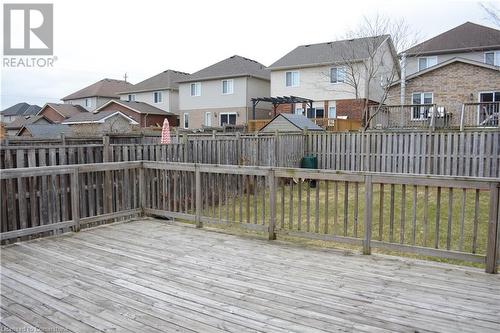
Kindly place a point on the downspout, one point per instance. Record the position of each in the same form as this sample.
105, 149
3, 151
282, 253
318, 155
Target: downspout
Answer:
402, 86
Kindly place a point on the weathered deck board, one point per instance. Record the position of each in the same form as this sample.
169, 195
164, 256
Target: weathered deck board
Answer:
151, 276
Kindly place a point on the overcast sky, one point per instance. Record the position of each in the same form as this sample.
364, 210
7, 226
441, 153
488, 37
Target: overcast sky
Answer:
95, 39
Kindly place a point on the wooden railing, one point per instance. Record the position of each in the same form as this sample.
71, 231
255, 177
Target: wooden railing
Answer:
485, 114
446, 217
53, 199
412, 116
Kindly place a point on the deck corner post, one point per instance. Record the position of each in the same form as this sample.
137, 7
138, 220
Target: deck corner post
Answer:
367, 220
75, 200
272, 204
199, 224
493, 229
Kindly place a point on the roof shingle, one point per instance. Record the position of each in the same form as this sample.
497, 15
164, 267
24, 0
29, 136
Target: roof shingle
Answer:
65, 110
93, 117
234, 66
103, 88
139, 107
467, 37
26, 120
330, 52
21, 109
163, 81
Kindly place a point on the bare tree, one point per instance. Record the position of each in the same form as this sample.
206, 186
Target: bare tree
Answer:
369, 56
492, 12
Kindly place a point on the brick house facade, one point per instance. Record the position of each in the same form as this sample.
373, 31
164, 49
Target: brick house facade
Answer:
143, 118
349, 108
451, 84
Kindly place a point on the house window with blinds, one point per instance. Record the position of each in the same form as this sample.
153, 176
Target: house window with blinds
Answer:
337, 75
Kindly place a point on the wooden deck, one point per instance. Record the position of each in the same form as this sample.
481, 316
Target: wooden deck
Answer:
151, 276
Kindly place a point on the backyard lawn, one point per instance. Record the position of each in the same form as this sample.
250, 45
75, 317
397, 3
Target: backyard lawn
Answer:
337, 208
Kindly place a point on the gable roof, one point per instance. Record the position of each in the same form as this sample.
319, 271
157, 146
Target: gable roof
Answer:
21, 109
449, 62
163, 81
467, 37
329, 53
20, 122
299, 121
235, 66
65, 110
46, 130
103, 88
139, 107
96, 117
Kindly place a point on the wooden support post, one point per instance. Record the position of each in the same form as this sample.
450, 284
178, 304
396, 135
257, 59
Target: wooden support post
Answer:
368, 214
75, 200
142, 189
105, 149
271, 180
493, 229
198, 196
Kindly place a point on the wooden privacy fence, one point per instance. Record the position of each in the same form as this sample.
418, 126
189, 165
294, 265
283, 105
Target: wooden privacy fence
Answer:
447, 217
475, 154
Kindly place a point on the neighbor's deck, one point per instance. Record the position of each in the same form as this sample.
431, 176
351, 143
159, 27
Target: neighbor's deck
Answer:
150, 276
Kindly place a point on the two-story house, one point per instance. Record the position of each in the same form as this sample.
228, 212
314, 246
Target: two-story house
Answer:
58, 112
334, 76
97, 94
161, 91
457, 71
18, 111
221, 93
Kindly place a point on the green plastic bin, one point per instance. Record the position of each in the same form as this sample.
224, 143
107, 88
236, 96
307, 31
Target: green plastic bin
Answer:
309, 162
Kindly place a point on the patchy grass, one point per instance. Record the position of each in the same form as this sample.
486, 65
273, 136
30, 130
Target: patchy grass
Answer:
339, 210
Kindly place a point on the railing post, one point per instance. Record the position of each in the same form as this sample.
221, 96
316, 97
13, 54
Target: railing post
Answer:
462, 116
75, 199
105, 148
493, 229
197, 175
433, 118
368, 214
142, 188
271, 179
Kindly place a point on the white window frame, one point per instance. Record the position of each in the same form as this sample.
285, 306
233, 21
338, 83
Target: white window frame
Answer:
299, 110
292, 81
197, 90
131, 97
422, 99
496, 57
230, 86
334, 108
228, 114
88, 102
185, 119
208, 115
426, 62
339, 70
160, 97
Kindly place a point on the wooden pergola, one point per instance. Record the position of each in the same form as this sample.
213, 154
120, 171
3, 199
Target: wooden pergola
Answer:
275, 101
